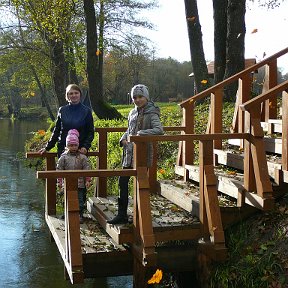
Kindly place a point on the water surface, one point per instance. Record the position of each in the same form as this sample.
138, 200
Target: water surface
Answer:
27, 257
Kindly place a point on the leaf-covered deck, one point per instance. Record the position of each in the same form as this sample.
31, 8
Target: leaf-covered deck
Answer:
170, 222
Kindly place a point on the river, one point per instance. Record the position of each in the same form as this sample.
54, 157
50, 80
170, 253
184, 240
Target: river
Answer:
27, 257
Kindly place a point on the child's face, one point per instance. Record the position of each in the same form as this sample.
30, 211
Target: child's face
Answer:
73, 147
140, 101
73, 96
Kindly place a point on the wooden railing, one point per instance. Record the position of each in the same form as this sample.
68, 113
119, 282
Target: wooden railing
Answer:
144, 238
245, 80
101, 185
253, 107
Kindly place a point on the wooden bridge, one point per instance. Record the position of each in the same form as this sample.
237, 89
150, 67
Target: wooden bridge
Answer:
96, 249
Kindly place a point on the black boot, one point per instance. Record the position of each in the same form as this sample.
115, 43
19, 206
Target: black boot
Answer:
121, 217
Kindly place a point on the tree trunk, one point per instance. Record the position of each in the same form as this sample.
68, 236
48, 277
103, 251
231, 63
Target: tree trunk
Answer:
220, 39
236, 30
59, 76
42, 93
102, 110
196, 46
72, 68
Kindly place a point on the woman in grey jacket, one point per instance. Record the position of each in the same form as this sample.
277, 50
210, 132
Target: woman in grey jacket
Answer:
143, 119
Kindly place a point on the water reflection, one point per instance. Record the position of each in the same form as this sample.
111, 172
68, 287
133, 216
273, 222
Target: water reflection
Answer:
27, 258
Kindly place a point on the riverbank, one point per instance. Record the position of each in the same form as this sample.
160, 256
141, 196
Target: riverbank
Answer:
26, 113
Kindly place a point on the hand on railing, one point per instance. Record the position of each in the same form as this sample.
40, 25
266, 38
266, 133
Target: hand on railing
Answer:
60, 183
88, 182
42, 150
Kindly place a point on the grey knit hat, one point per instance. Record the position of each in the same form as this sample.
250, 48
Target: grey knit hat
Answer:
140, 90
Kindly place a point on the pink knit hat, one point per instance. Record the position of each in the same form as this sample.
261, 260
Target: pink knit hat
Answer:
72, 137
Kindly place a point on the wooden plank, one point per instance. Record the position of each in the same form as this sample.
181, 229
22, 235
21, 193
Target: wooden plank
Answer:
212, 206
229, 159
256, 101
272, 145
172, 224
235, 160
272, 126
285, 130
188, 137
119, 233
83, 173
216, 108
232, 187
181, 197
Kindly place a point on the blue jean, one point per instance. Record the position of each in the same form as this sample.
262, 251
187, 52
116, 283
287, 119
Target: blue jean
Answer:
82, 199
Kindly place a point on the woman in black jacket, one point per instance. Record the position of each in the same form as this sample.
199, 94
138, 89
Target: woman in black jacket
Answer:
74, 115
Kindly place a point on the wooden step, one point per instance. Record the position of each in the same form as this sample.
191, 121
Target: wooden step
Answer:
186, 196
272, 145
234, 159
170, 222
231, 185
272, 126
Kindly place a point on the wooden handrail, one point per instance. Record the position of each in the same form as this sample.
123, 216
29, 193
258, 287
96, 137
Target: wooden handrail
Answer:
234, 77
249, 105
123, 129
54, 154
189, 137
86, 173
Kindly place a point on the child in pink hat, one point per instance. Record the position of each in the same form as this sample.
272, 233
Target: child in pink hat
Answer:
72, 159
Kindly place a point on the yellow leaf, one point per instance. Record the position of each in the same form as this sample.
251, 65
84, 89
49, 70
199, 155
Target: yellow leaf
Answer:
204, 81
32, 94
156, 278
254, 31
41, 132
231, 173
191, 18
98, 52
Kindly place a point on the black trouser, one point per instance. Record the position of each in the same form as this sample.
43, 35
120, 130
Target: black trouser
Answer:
124, 188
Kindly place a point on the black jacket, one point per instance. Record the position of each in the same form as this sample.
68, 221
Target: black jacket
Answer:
72, 116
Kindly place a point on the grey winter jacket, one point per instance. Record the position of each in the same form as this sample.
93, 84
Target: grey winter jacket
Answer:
74, 161
147, 123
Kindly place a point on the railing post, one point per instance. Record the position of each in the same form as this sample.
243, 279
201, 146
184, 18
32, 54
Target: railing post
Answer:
210, 215
216, 115
185, 148
244, 90
284, 130
101, 183
72, 228
249, 177
269, 110
142, 217
262, 179
50, 204
153, 170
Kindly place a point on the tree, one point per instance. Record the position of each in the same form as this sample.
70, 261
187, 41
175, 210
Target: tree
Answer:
196, 46
235, 60
101, 109
229, 47
220, 34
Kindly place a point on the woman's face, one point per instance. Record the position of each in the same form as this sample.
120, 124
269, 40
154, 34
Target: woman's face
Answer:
73, 96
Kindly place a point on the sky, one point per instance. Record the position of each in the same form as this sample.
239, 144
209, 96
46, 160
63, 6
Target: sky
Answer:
171, 37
